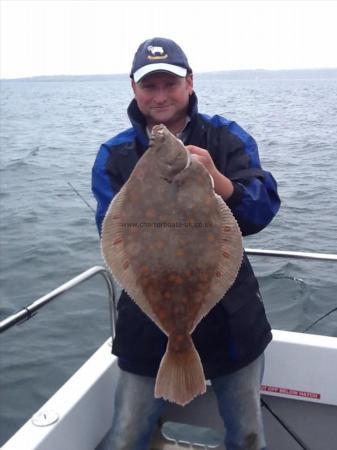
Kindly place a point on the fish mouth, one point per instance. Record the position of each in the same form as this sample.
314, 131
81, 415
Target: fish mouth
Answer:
159, 130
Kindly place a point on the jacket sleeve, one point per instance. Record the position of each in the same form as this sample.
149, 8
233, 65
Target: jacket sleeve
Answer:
101, 185
255, 200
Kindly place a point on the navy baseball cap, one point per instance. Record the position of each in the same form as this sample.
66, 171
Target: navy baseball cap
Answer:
159, 55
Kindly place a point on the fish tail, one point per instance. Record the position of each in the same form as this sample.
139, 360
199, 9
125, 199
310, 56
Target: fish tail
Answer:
180, 377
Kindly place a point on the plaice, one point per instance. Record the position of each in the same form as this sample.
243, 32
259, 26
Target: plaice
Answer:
175, 247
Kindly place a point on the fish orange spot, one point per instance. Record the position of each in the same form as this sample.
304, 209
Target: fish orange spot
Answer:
178, 342
227, 228
180, 252
145, 269
117, 241
150, 213
210, 237
167, 295
178, 280
203, 277
162, 314
218, 274
225, 254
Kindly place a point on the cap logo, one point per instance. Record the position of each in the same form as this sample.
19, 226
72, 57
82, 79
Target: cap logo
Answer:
156, 52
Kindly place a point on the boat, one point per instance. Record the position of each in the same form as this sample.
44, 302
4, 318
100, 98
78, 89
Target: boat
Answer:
298, 392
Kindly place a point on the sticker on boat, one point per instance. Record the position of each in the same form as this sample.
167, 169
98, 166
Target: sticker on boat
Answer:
291, 392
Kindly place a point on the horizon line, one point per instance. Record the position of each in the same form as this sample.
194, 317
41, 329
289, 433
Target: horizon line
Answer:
29, 77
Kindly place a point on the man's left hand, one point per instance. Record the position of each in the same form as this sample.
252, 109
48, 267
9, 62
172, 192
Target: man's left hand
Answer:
222, 185
204, 158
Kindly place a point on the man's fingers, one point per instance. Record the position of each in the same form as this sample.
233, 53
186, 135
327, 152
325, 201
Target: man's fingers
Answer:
196, 150
203, 157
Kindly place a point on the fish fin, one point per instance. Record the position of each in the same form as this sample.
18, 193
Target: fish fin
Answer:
231, 247
230, 260
112, 240
180, 377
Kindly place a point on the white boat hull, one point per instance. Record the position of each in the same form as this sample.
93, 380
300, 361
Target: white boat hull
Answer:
299, 384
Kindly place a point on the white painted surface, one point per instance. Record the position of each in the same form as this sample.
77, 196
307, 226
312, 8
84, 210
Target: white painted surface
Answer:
84, 407
297, 363
302, 366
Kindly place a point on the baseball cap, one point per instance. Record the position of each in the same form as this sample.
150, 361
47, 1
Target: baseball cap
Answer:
159, 55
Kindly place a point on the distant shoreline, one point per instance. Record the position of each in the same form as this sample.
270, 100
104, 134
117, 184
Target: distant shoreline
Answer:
228, 74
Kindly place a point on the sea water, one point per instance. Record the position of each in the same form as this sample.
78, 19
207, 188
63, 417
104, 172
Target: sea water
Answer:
50, 132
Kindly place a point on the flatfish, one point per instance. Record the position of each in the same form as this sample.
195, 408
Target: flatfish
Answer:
172, 243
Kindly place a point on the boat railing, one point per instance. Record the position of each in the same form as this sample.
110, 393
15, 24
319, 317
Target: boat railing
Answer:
29, 311
294, 255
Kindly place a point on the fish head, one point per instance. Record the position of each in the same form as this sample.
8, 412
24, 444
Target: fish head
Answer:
171, 155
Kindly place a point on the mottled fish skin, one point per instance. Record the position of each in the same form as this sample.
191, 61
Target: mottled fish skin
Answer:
173, 245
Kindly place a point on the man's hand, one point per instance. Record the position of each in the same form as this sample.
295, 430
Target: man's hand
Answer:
222, 185
204, 157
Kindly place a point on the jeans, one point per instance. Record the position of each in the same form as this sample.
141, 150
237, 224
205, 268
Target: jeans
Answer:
136, 411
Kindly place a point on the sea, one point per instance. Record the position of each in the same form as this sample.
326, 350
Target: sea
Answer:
51, 130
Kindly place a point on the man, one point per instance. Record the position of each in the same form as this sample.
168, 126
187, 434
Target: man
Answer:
231, 339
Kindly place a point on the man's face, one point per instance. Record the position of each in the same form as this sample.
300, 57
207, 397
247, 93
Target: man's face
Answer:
163, 98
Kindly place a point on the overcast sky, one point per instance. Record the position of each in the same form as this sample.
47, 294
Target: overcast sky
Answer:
49, 37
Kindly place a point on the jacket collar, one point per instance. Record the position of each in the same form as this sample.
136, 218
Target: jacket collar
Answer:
139, 123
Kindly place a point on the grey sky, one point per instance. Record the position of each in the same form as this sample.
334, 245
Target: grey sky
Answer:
100, 37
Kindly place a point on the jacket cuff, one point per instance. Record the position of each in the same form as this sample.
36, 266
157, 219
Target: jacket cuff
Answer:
236, 197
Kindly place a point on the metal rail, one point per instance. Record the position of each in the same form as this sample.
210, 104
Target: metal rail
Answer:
294, 255
29, 311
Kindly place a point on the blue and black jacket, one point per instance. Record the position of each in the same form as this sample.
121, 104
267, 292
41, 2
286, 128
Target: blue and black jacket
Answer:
236, 330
